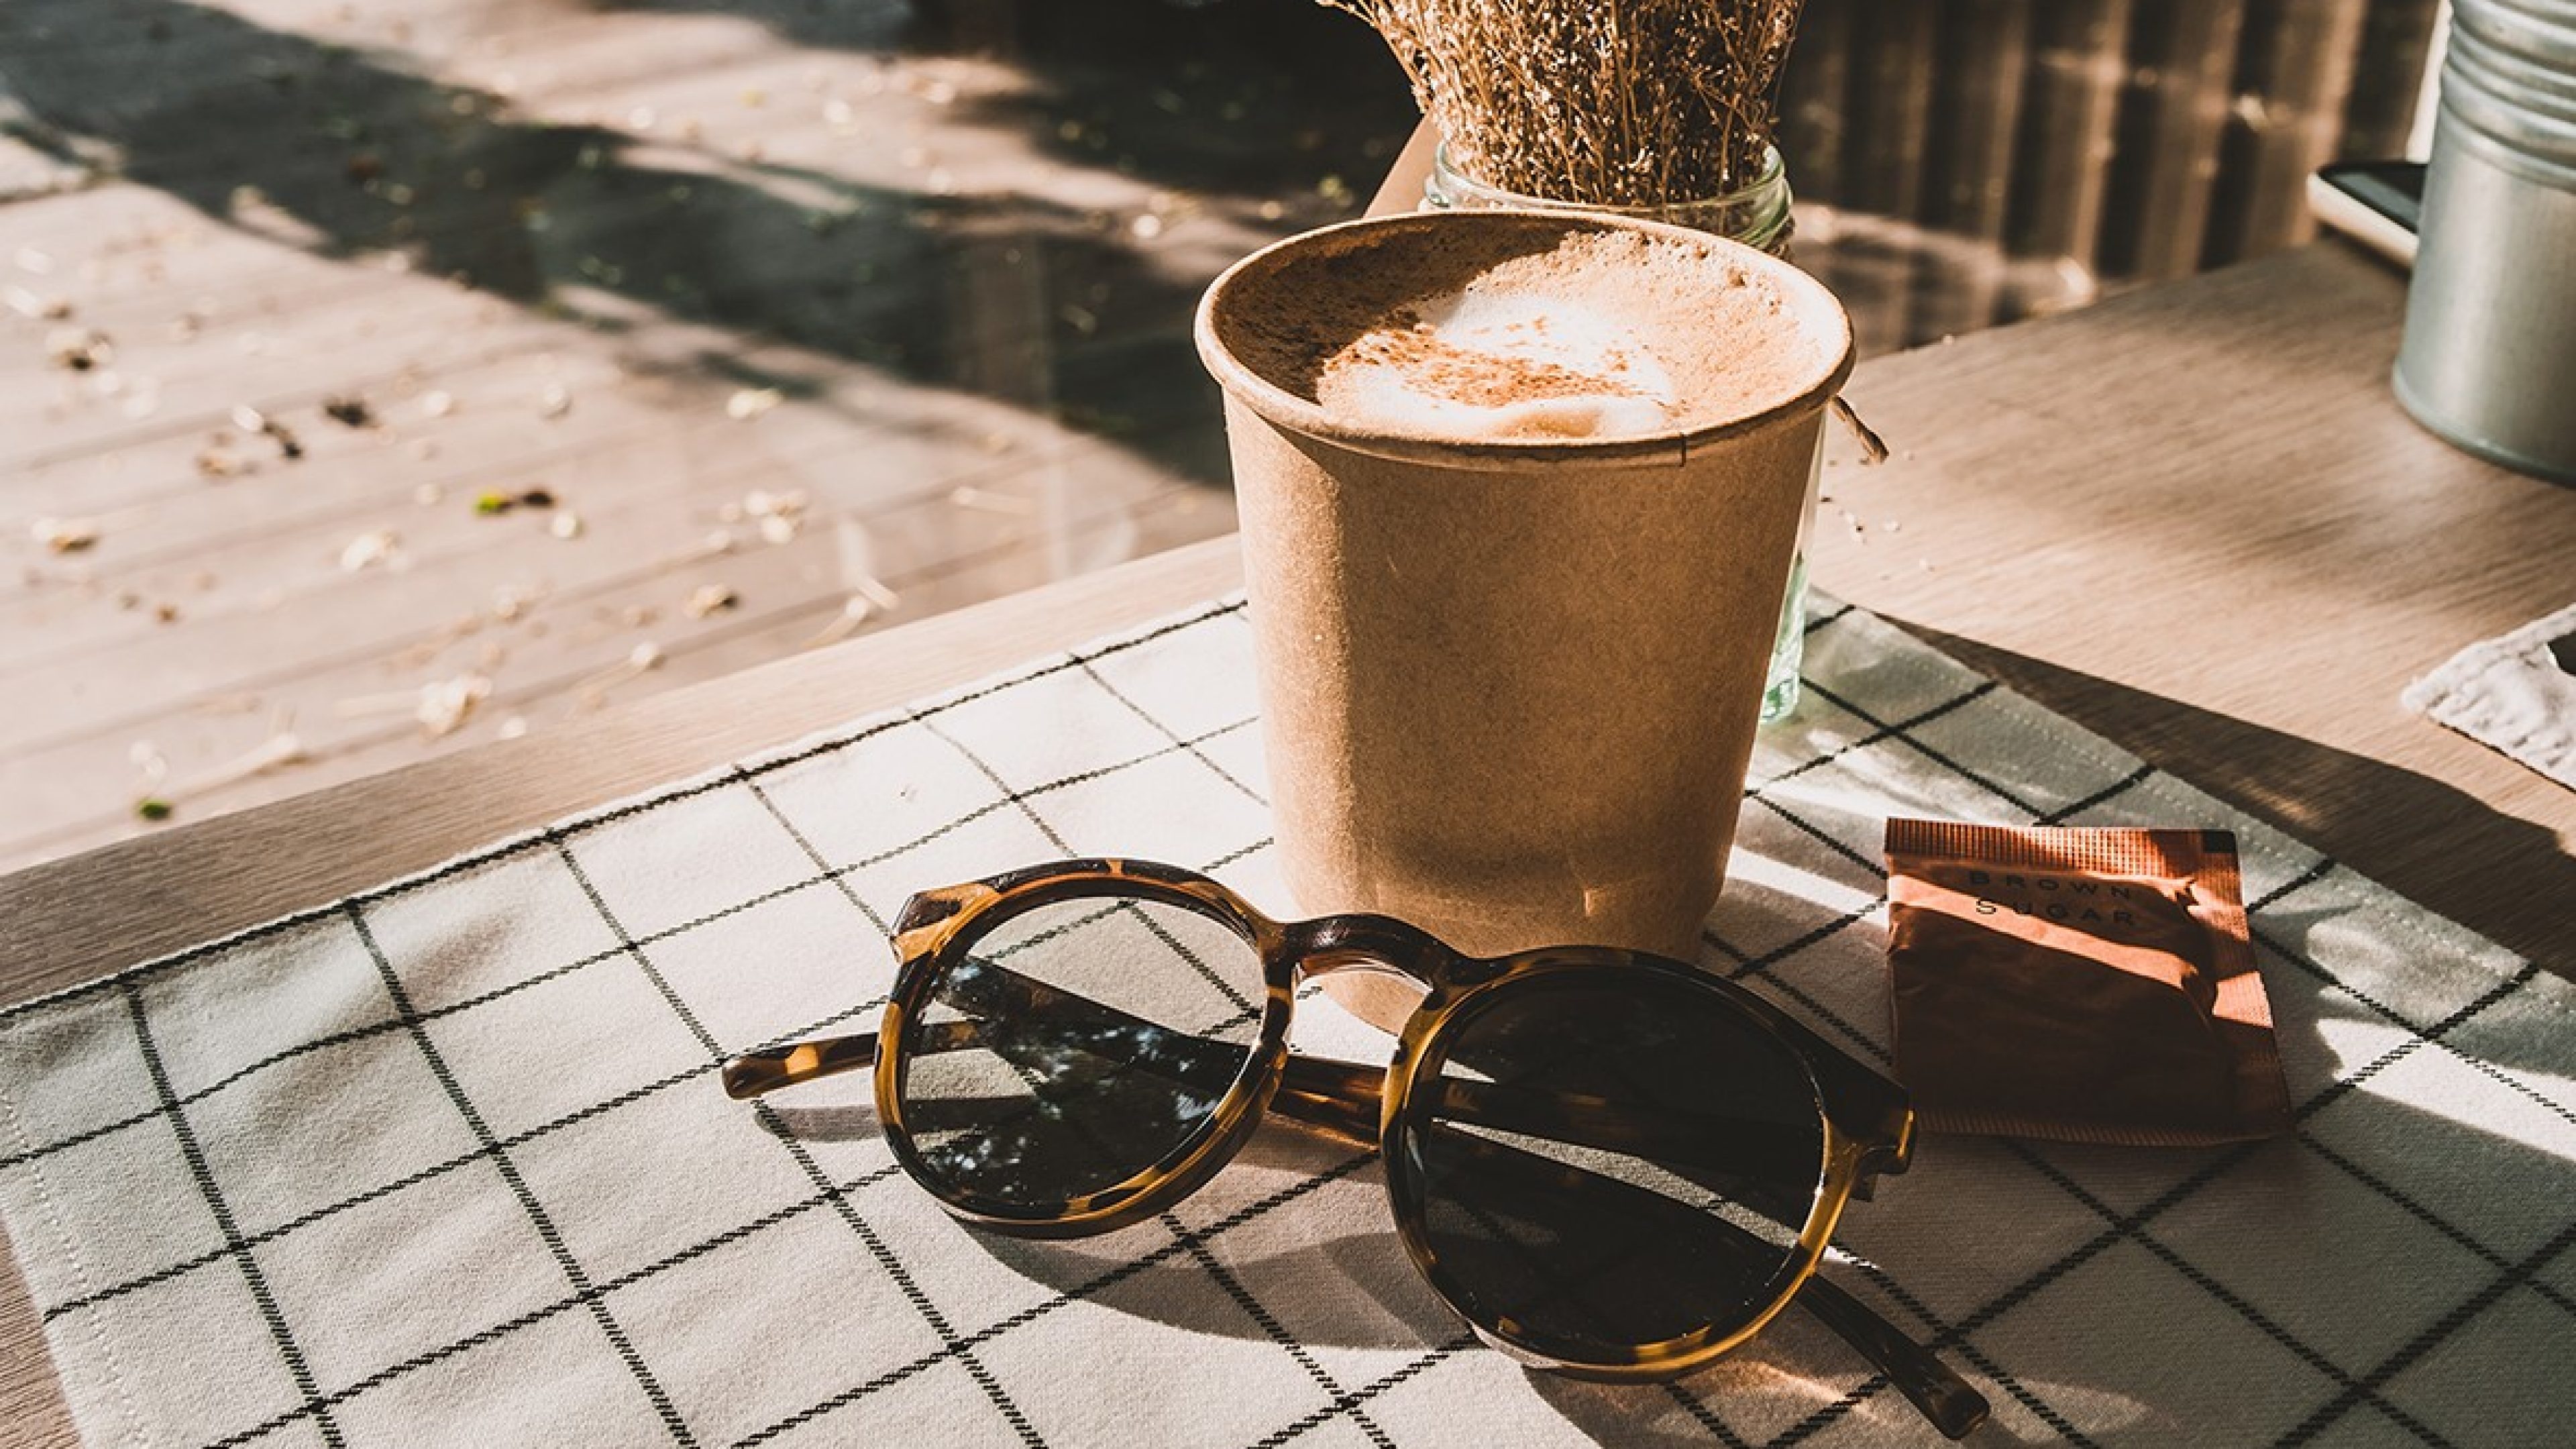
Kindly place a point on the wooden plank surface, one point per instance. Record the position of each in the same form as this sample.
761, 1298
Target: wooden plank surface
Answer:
2190, 518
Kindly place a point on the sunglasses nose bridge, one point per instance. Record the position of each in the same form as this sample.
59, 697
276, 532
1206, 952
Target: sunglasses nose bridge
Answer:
1365, 944
1352, 964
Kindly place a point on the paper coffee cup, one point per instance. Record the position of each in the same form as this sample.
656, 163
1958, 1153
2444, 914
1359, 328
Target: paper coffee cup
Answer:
1509, 687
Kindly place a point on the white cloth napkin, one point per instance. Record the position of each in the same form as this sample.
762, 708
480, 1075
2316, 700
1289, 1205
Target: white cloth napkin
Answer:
2513, 694
446, 1162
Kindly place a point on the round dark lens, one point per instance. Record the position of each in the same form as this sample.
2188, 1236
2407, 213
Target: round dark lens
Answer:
1605, 1164
1075, 1045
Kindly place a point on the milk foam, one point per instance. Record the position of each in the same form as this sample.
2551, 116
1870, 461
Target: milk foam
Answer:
1486, 362
1578, 341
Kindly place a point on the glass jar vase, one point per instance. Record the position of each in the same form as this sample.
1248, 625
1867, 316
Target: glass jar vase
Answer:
1756, 215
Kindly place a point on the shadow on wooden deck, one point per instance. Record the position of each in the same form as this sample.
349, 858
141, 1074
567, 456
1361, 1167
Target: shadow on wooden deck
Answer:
361, 156
920, 277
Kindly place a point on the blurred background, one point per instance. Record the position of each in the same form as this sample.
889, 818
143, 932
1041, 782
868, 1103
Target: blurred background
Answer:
376, 379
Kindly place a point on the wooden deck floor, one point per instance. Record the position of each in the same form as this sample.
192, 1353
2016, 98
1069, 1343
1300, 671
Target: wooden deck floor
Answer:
805, 319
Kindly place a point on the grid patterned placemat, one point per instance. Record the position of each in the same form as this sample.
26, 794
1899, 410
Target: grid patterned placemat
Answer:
447, 1163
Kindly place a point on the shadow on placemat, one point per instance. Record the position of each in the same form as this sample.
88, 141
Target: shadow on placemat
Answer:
2364, 813
1151, 1274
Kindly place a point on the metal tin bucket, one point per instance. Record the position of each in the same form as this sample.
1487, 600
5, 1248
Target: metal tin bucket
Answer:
2489, 358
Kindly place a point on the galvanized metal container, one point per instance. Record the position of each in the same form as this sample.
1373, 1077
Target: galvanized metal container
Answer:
2489, 358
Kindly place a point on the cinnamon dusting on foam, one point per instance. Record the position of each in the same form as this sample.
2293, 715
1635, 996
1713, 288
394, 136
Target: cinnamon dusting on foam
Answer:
1580, 340
1468, 375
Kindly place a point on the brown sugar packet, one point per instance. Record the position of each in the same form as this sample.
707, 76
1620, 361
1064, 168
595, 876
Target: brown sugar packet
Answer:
2085, 985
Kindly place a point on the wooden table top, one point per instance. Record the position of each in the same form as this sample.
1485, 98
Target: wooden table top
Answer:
2190, 518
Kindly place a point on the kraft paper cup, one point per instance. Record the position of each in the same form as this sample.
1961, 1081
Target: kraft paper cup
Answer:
1508, 688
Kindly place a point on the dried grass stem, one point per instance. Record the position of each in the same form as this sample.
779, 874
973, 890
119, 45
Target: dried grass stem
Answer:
1599, 102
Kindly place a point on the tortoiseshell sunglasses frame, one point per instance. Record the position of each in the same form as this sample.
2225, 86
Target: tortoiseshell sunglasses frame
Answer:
1868, 1126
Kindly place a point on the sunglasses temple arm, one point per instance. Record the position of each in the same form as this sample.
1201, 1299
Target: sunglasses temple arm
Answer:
754, 1073
1331, 1100
1343, 1097
1926, 1382
1340, 1098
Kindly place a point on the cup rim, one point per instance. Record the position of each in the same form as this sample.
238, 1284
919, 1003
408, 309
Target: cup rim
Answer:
1296, 414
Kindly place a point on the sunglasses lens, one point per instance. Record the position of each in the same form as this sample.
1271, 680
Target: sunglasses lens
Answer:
1075, 1045
1608, 1165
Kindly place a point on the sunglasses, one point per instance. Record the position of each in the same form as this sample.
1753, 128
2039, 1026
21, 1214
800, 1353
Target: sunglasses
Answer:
1609, 1164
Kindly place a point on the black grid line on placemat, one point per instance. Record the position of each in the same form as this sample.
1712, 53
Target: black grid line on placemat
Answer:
776, 1129
822, 866
1749, 965
2547, 1292
2525, 973
1816, 621
1878, 731
2233, 1301
2104, 796
292, 1225
235, 1247
2422, 1343
1044, 826
1350, 1400
1081, 1292
1166, 731
538, 1217
544, 1312
1903, 734
1698, 1408
1263, 1319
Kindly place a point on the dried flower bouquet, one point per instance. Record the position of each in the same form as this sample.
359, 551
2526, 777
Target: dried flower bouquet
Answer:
1596, 102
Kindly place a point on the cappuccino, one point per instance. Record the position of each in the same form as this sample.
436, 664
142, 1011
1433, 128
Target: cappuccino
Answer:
1576, 341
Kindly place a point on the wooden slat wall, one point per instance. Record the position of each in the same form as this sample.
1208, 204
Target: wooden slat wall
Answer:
1983, 48
2028, 152
2078, 65
1813, 118
1884, 158
2172, 121
2388, 71
2296, 69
